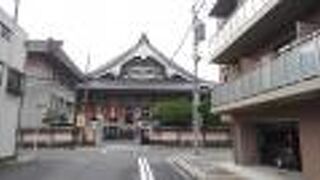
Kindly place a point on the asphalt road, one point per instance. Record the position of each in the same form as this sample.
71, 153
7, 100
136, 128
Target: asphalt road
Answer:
116, 161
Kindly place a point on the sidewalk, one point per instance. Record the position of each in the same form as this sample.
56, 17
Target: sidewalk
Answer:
23, 158
217, 164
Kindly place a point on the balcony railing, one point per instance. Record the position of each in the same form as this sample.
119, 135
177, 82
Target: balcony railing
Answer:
245, 16
298, 62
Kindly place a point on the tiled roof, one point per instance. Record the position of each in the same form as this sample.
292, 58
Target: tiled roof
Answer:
54, 47
142, 41
137, 85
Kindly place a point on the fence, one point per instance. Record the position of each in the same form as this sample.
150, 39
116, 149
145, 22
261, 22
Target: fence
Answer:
298, 62
48, 137
218, 137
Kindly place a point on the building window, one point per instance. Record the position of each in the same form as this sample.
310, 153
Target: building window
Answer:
178, 78
129, 115
108, 76
5, 32
14, 84
146, 113
1, 73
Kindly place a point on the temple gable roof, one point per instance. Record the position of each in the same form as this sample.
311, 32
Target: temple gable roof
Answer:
143, 68
143, 49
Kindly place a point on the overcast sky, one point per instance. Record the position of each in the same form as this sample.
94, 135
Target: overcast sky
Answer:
107, 28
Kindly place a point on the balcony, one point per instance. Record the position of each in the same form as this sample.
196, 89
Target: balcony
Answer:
223, 8
295, 71
245, 17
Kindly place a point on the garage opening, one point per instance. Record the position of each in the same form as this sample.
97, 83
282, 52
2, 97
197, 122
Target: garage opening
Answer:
279, 145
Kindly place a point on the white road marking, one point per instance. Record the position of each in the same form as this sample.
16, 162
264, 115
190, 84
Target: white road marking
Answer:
119, 148
103, 151
142, 171
145, 169
149, 171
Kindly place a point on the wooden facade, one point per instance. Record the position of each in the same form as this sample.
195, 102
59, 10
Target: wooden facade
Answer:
119, 96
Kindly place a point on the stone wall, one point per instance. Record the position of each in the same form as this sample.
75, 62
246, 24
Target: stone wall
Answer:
185, 137
48, 138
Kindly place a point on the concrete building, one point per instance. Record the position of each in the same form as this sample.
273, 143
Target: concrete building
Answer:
269, 54
120, 94
12, 57
51, 78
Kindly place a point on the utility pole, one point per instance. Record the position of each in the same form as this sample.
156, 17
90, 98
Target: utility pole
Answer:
86, 100
199, 35
18, 137
16, 10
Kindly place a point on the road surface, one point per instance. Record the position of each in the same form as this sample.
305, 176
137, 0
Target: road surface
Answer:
116, 161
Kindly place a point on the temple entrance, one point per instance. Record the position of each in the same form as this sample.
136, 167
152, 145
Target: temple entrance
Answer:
118, 133
121, 114
279, 145
110, 132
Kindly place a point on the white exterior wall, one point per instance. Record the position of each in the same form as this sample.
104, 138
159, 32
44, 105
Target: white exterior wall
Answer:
37, 98
12, 54
39, 93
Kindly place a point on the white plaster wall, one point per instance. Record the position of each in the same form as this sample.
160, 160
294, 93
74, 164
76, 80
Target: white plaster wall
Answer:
38, 93
12, 54
37, 98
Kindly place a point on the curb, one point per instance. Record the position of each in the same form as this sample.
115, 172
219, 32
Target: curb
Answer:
198, 174
181, 170
23, 159
192, 172
20, 160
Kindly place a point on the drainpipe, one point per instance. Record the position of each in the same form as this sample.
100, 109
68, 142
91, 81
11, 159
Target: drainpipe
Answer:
18, 134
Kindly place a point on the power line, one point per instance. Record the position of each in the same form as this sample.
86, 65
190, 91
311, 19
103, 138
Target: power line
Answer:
183, 41
189, 29
202, 5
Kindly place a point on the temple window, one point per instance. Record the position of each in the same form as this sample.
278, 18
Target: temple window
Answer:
143, 69
108, 76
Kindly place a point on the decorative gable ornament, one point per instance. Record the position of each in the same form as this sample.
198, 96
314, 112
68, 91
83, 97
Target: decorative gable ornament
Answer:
142, 62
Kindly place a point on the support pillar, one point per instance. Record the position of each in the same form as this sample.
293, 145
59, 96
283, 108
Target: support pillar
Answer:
310, 144
245, 142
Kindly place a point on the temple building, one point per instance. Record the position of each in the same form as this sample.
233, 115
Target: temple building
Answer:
119, 95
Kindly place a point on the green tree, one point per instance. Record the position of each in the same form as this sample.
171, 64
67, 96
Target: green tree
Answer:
173, 112
209, 119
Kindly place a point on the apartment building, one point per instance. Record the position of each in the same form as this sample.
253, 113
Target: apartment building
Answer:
49, 98
12, 57
269, 57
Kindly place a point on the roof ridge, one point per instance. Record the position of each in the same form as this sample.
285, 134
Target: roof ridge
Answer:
115, 60
143, 40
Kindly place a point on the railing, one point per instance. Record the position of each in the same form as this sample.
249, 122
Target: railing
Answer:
239, 21
298, 62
